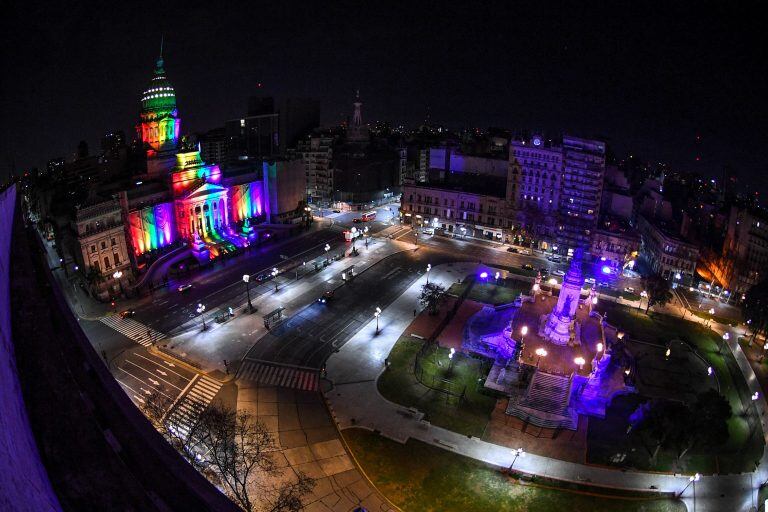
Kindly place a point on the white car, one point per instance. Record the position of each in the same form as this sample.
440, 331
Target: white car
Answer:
558, 273
590, 280
184, 287
629, 289
525, 251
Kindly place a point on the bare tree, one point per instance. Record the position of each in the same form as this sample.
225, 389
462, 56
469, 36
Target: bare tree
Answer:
289, 496
237, 447
233, 450
186, 438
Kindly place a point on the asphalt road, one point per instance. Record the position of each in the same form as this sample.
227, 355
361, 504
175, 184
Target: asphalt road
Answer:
309, 337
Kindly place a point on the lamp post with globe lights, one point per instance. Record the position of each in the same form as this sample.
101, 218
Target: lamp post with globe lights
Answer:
580, 361
247, 280
377, 314
691, 480
201, 311
117, 275
518, 452
540, 352
274, 277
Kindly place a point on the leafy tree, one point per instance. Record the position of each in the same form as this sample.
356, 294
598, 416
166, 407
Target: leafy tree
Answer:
432, 295
659, 423
93, 277
755, 308
658, 291
679, 427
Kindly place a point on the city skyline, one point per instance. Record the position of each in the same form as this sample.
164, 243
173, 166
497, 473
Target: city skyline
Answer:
600, 74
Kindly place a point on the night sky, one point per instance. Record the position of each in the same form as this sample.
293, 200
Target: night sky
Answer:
646, 77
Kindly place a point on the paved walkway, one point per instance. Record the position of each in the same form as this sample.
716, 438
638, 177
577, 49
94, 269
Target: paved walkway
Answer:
309, 442
355, 401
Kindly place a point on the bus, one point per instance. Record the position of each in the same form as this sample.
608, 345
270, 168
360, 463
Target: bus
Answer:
369, 216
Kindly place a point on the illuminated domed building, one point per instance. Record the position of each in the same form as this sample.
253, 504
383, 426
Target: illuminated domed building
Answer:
160, 123
184, 199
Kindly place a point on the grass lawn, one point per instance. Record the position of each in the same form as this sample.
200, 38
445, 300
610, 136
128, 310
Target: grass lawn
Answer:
719, 319
492, 292
745, 444
399, 384
420, 477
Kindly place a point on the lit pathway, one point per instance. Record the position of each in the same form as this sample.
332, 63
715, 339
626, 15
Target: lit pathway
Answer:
355, 401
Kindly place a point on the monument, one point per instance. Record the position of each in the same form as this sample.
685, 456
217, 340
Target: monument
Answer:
559, 322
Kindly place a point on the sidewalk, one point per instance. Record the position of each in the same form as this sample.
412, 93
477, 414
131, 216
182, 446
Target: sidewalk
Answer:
233, 339
355, 402
80, 303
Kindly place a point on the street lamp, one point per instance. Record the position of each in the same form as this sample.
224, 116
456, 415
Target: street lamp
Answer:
200, 311
429, 267
580, 361
541, 353
377, 314
274, 277
726, 337
518, 453
246, 280
117, 275
691, 480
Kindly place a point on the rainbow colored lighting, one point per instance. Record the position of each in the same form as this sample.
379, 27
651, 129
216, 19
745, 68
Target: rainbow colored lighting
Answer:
246, 201
192, 169
152, 227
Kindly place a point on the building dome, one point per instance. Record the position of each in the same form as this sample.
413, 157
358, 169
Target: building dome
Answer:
159, 98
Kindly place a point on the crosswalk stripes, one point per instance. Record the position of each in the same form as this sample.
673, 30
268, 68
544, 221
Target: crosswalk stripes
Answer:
134, 330
185, 413
283, 376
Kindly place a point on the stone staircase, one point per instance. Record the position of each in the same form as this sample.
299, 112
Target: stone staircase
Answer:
546, 402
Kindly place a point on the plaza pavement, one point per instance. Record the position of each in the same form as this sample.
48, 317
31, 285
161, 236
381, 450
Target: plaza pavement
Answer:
355, 402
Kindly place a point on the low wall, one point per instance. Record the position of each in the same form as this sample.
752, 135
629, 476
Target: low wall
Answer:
24, 483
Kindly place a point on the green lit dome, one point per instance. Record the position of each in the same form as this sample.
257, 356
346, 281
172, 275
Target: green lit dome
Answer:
159, 98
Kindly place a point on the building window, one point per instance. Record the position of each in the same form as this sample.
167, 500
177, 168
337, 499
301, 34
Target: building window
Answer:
114, 242
103, 244
93, 249
117, 259
106, 262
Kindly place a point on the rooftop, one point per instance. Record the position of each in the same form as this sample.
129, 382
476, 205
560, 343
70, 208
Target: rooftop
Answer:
470, 183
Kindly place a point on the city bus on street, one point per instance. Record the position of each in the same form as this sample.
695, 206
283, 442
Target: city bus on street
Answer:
369, 216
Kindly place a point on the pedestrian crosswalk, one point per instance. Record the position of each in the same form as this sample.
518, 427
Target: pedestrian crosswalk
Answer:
186, 411
134, 330
283, 376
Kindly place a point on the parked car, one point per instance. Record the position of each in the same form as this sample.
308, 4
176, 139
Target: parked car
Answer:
525, 251
263, 277
544, 271
127, 313
527, 266
512, 249
590, 280
326, 297
629, 289
558, 273
184, 287
336, 211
